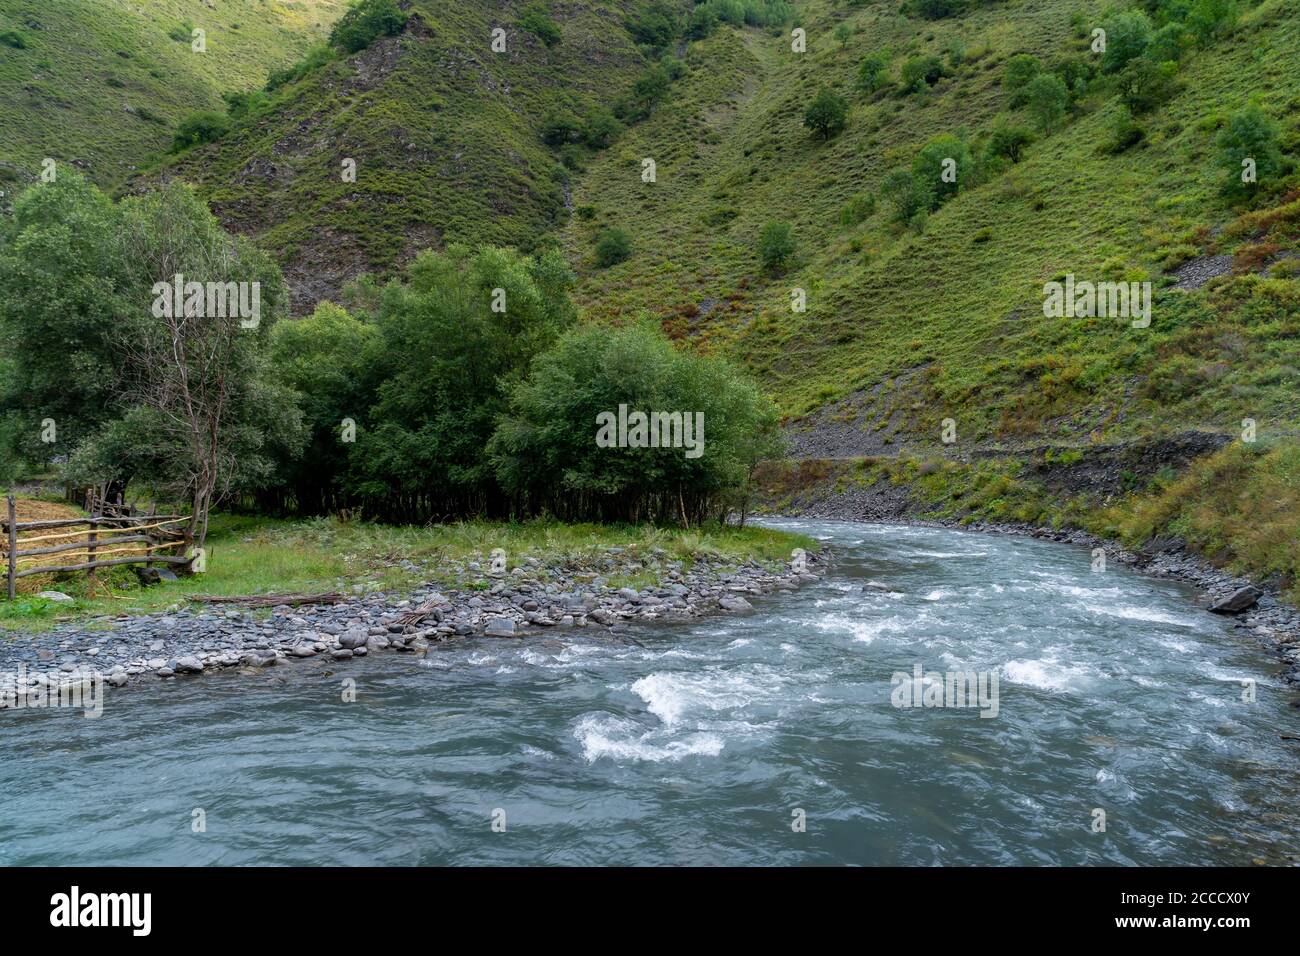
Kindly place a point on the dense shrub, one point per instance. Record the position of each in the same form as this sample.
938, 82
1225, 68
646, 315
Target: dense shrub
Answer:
776, 246
920, 72
1047, 98
613, 246
12, 38
537, 20
873, 73
1249, 134
1020, 71
364, 22
653, 23
943, 153
1127, 37
1009, 141
1144, 85
206, 126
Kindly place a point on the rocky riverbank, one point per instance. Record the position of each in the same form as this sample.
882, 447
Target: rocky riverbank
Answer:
1275, 623
512, 603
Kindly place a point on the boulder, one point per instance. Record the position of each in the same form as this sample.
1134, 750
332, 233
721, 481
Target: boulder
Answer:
58, 597
1239, 600
500, 627
734, 603
187, 665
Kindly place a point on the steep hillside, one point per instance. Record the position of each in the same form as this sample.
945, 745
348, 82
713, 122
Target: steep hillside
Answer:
102, 84
444, 132
943, 317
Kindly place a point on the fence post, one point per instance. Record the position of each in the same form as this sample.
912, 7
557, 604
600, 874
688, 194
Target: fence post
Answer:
13, 548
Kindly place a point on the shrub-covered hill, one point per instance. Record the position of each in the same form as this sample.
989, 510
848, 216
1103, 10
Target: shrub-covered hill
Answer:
920, 310
103, 83
445, 133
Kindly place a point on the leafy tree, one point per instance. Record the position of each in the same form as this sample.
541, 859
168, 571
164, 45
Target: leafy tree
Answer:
1144, 85
905, 194
943, 166
653, 23
613, 246
702, 22
1209, 19
1020, 72
546, 450
1249, 135
537, 20
364, 22
599, 127
1125, 133
776, 245
1047, 99
920, 72
873, 73
206, 126
1009, 142
1167, 43
560, 128
1127, 36
826, 114
445, 363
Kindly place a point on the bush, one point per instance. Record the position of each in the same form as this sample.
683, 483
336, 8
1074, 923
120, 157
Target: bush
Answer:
930, 164
613, 246
1144, 85
920, 72
702, 22
12, 38
206, 126
873, 73
1249, 134
826, 114
905, 195
1125, 133
858, 209
776, 246
1167, 43
653, 23
537, 21
1209, 19
316, 57
1047, 99
1020, 72
1009, 142
936, 9
365, 22
560, 128
599, 127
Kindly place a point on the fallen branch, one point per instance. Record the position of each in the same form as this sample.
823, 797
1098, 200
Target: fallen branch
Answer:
269, 600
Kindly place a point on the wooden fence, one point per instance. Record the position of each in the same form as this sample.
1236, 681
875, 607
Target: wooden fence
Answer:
134, 538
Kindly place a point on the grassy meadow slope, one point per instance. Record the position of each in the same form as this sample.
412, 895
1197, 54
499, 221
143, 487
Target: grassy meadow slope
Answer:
103, 83
444, 132
950, 319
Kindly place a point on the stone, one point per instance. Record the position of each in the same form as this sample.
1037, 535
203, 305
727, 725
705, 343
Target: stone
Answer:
500, 627
735, 603
187, 665
58, 597
342, 654
1239, 600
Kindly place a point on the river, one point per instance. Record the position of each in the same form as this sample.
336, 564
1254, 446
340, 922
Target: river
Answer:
771, 738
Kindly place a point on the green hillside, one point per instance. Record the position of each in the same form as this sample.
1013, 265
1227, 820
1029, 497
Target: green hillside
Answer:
103, 83
947, 312
445, 134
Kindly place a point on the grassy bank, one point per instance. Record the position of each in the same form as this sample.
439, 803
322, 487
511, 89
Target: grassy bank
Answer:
1239, 507
249, 555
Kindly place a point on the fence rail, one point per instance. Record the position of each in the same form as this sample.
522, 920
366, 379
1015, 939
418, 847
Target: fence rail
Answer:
96, 538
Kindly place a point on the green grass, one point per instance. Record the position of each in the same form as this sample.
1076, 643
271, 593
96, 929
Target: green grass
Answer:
102, 84
249, 556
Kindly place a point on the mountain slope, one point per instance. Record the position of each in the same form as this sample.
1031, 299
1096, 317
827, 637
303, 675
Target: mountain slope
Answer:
947, 322
444, 133
103, 83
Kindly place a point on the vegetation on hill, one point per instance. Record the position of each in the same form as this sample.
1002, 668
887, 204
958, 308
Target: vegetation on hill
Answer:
102, 84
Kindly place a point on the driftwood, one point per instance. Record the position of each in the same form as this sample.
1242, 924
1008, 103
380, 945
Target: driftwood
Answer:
417, 614
270, 600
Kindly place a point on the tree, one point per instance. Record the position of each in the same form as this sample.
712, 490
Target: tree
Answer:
1250, 138
599, 127
1020, 72
905, 194
1127, 37
1144, 85
1047, 99
1209, 19
549, 453
776, 245
943, 166
873, 73
613, 246
1009, 142
653, 23
826, 114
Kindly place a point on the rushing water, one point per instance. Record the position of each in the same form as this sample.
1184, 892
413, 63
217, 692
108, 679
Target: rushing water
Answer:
697, 743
